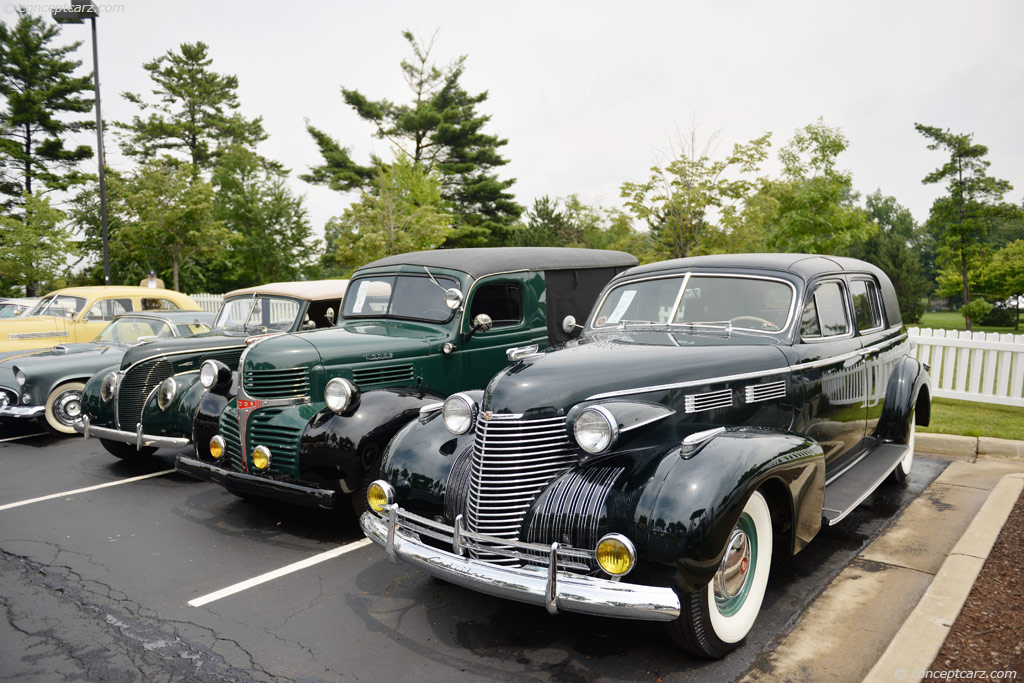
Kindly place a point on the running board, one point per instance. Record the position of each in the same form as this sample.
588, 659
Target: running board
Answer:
842, 495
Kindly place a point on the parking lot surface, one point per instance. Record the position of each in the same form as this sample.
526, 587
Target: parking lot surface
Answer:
135, 572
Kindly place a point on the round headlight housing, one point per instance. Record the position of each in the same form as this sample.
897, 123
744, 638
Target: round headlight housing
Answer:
339, 394
107, 387
458, 413
165, 394
19, 377
208, 374
261, 457
616, 554
217, 446
595, 429
379, 495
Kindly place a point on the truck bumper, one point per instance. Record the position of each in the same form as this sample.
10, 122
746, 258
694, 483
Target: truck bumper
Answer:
546, 587
137, 437
256, 485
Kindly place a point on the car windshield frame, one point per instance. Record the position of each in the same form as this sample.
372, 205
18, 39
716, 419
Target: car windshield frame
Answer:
358, 296
684, 278
46, 302
253, 299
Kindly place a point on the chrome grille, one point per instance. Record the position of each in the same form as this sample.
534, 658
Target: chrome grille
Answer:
136, 385
456, 489
290, 383
696, 403
385, 375
513, 460
765, 392
232, 457
283, 442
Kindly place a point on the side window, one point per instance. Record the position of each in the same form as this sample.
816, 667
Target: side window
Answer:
825, 313
503, 301
865, 305
107, 309
155, 304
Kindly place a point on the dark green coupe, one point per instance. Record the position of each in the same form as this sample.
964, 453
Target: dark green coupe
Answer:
311, 413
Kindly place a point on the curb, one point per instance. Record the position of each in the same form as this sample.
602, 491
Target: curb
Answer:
969, 446
917, 643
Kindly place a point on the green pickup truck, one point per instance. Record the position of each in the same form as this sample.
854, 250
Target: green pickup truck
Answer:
307, 416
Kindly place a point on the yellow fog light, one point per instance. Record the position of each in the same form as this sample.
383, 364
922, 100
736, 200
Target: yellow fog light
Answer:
216, 447
261, 457
379, 495
616, 554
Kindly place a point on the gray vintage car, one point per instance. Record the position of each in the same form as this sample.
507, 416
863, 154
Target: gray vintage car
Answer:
48, 382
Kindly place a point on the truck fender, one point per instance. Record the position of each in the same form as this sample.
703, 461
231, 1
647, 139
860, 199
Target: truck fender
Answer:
345, 447
906, 393
206, 423
690, 512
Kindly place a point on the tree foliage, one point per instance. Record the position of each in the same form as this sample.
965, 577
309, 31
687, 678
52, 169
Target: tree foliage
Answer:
36, 245
42, 102
1002, 275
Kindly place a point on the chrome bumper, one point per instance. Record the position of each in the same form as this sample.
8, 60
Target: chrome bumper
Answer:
286, 491
24, 412
137, 437
546, 587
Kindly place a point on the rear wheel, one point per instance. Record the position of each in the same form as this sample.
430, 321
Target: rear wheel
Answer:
713, 621
126, 451
901, 474
64, 407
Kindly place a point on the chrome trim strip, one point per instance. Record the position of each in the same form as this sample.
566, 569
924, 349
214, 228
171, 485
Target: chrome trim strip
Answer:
136, 438
534, 585
22, 411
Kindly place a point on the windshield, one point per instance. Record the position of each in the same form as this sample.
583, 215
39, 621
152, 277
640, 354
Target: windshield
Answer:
130, 330
61, 305
730, 302
259, 313
412, 297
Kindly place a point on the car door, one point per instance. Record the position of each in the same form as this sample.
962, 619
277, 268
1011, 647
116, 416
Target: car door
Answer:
830, 373
881, 346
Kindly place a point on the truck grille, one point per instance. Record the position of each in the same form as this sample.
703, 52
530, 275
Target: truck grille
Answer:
283, 442
233, 460
386, 375
513, 460
136, 384
290, 383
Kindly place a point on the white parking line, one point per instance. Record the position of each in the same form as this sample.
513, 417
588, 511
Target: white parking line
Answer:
88, 488
23, 436
270, 576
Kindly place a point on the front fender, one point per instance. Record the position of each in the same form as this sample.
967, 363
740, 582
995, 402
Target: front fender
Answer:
693, 504
908, 390
99, 413
335, 446
206, 422
177, 419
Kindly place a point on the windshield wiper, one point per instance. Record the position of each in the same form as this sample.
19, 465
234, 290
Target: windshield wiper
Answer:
725, 325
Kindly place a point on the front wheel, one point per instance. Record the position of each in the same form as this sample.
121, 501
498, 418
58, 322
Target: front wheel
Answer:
64, 407
714, 620
126, 451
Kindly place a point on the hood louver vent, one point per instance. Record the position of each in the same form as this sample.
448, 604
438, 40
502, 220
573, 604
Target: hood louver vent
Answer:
712, 400
387, 375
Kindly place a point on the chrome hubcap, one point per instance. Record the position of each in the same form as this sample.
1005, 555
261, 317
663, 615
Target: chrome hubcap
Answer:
735, 567
68, 407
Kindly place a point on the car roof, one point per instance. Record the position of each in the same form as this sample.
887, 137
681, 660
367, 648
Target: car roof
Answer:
113, 290
309, 290
804, 265
481, 261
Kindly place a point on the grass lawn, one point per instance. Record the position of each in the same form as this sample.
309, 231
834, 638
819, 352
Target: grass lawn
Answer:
968, 418
952, 320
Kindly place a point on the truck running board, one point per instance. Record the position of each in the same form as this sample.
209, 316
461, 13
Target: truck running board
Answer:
858, 482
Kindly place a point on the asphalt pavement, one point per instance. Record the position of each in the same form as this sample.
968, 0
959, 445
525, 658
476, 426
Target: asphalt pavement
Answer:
134, 572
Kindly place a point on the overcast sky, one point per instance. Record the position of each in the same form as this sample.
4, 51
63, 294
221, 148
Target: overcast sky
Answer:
588, 94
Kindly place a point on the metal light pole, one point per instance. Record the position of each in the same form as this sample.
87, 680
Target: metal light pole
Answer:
86, 9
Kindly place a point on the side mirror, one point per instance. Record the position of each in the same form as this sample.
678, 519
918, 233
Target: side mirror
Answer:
569, 324
309, 325
481, 323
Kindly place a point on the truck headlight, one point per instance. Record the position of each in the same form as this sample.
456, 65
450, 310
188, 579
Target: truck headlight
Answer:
595, 429
165, 394
261, 457
107, 386
217, 447
213, 374
458, 413
339, 394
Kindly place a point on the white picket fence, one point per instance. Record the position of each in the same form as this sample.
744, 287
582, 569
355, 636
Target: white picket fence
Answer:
208, 302
978, 366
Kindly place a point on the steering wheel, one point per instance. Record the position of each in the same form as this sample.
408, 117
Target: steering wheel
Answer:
762, 321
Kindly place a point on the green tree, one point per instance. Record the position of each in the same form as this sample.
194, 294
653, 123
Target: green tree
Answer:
441, 131
42, 97
1002, 276
169, 220
893, 248
960, 218
812, 207
401, 211
36, 244
692, 204
195, 115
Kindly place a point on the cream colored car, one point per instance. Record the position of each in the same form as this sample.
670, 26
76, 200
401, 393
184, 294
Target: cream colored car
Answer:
77, 314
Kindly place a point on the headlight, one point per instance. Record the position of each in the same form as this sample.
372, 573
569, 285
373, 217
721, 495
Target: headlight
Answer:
339, 394
19, 376
165, 394
107, 386
379, 495
261, 457
595, 429
208, 374
458, 413
616, 554
217, 447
